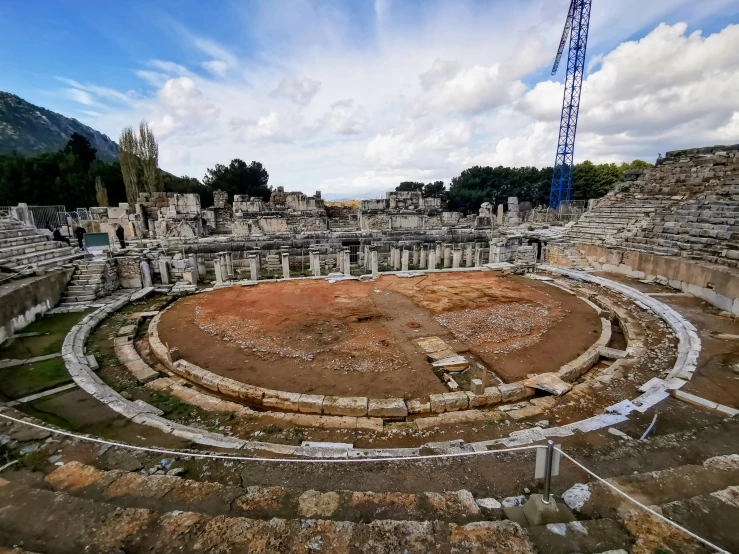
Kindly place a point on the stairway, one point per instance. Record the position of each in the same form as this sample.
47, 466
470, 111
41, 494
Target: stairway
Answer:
86, 284
24, 248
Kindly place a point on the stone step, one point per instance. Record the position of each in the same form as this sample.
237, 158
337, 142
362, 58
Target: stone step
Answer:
664, 486
19, 232
25, 239
46, 521
23, 249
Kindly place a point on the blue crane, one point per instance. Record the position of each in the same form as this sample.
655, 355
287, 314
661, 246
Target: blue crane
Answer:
576, 25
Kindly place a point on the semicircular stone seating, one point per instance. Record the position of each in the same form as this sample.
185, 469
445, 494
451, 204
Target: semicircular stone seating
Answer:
364, 413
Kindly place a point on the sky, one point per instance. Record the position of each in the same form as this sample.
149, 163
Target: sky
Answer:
353, 97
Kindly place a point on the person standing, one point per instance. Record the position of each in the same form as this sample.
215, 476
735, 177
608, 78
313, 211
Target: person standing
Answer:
79, 233
119, 234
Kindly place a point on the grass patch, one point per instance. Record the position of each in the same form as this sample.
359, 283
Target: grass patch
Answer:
51, 328
23, 380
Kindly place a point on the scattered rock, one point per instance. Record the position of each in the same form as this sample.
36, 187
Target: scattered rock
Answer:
576, 496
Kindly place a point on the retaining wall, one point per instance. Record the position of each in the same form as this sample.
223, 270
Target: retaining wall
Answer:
716, 284
24, 300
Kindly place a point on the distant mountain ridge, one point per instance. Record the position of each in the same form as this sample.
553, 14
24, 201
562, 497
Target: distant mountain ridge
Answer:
28, 129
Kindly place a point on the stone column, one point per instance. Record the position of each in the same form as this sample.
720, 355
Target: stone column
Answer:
423, 262
416, 255
496, 253
340, 261
229, 265
315, 262
367, 261
500, 214
432, 258
373, 263
439, 251
164, 270
478, 254
468, 255
190, 275
404, 262
347, 262
456, 255
201, 265
285, 265
253, 266
219, 270
194, 267
145, 274
447, 255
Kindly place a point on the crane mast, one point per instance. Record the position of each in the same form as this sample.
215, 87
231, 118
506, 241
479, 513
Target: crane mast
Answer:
576, 25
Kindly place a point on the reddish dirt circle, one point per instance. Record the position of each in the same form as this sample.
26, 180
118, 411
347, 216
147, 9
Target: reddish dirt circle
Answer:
358, 338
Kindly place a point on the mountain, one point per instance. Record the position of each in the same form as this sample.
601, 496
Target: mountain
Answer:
28, 129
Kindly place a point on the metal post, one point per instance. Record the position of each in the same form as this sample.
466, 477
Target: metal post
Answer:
548, 471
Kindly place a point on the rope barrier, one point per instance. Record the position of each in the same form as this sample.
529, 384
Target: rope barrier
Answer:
643, 506
366, 460
278, 460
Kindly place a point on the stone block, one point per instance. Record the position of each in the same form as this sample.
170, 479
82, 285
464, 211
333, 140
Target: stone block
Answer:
252, 395
455, 401
476, 386
210, 380
489, 397
548, 382
514, 392
415, 406
310, 404
345, 406
387, 408
287, 401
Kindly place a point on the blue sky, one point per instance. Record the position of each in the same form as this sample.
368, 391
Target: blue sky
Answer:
353, 97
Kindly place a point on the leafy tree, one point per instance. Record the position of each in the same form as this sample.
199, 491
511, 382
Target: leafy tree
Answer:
81, 148
239, 178
409, 186
139, 158
435, 189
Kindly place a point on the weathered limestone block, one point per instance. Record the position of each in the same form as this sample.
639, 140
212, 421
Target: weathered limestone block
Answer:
489, 397
387, 408
210, 380
252, 395
415, 406
310, 403
548, 382
345, 406
514, 392
288, 401
449, 402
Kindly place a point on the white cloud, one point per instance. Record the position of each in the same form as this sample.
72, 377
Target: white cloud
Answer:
297, 91
80, 96
424, 97
183, 105
345, 118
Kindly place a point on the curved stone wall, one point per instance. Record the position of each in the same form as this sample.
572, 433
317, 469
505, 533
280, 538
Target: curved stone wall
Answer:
655, 390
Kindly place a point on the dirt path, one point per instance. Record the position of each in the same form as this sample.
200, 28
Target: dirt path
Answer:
353, 338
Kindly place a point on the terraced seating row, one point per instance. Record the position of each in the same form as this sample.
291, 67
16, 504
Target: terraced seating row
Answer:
686, 206
24, 247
